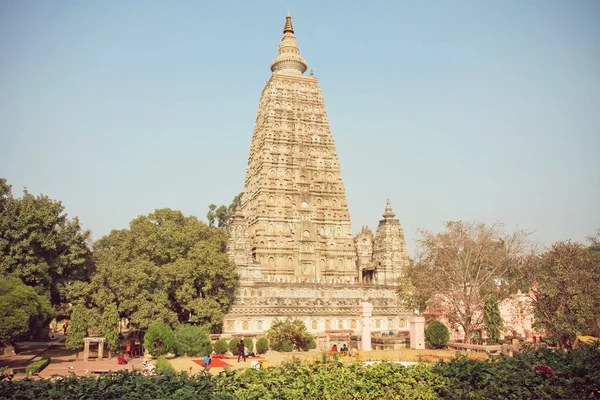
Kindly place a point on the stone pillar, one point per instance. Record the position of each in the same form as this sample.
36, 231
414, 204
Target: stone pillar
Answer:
86, 350
100, 348
417, 332
366, 309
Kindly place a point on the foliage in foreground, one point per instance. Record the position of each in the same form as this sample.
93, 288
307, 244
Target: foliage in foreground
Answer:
533, 374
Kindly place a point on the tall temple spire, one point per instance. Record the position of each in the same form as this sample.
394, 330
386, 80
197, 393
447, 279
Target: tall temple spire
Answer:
288, 60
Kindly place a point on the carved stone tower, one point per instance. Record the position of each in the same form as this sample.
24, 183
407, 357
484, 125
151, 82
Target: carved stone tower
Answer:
290, 237
389, 254
294, 202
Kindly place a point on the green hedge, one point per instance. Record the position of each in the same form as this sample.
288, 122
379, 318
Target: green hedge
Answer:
163, 366
220, 346
532, 374
437, 334
233, 346
262, 345
37, 366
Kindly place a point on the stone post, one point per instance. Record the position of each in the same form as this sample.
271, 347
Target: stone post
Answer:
100, 348
366, 309
86, 349
417, 332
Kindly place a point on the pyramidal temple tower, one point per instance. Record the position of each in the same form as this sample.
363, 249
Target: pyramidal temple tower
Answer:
291, 237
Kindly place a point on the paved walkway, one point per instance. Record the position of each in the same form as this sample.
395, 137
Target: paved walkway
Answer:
63, 362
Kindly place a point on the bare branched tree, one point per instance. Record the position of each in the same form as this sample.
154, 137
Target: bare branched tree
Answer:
458, 268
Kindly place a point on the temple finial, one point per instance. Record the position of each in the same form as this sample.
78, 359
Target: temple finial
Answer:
288, 24
288, 60
388, 211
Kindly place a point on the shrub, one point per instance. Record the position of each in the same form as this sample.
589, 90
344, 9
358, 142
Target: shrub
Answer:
220, 346
249, 345
37, 366
575, 376
287, 346
293, 331
159, 339
163, 366
191, 340
262, 345
312, 344
437, 334
233, 346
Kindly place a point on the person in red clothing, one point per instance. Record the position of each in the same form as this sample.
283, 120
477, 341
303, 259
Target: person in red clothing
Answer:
334, 348
121, 359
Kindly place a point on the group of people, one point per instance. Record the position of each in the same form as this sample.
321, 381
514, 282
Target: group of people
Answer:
134, 346
343, 350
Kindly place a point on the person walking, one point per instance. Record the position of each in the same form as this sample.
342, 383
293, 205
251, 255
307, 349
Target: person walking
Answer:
241, 350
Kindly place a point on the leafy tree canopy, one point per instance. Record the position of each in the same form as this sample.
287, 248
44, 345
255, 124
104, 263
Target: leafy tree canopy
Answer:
289, 331
565, 290
40, 245
221, 216
22, 311
458, 268
164, 268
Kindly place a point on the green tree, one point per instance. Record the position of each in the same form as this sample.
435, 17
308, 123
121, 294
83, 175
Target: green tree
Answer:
23, 312
564, 290
40, 245
457, 269
292, 331
492, 319
164, 268
221, 216
110, 328
192, 340
78, 329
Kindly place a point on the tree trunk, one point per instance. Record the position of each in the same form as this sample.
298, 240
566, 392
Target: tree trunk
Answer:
467, 329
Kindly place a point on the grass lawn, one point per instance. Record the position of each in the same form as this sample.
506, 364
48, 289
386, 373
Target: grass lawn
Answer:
275, 358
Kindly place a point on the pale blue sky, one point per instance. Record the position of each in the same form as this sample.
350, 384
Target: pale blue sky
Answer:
486, 110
